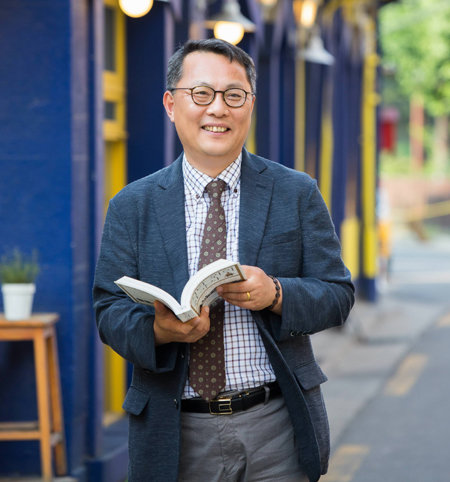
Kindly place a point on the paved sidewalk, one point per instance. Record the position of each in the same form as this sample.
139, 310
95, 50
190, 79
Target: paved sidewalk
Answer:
359, 357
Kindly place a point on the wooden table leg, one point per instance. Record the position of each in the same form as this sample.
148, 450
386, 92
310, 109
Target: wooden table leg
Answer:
56, 405
43, 402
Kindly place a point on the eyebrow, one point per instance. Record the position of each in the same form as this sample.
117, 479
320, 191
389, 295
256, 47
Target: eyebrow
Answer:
199, 83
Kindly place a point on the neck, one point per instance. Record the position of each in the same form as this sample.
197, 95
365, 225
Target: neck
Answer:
211, 169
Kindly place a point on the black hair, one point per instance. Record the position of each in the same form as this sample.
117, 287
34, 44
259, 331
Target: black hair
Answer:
213, 45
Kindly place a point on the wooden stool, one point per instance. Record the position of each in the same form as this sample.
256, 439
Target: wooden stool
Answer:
49, 429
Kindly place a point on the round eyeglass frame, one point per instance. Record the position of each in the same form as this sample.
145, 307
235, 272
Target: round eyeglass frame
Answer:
214, 92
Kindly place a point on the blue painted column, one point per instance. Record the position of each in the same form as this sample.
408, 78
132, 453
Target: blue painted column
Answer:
95, 439
287, 107
268, 100
342, 105
314, 76
276, 86
45, 203
151, 136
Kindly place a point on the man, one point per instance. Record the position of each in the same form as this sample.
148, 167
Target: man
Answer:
268, 422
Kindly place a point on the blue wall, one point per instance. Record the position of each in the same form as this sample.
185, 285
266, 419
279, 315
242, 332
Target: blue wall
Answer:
45, 201
151, 138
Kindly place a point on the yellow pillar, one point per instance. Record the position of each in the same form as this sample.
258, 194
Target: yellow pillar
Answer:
300, 115
369, 172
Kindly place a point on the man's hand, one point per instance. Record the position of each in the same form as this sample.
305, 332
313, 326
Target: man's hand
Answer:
168, 328
256, 293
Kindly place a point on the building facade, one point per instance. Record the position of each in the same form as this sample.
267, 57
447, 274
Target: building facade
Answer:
82, 115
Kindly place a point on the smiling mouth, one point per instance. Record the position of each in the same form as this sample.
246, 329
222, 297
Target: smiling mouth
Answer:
215, 129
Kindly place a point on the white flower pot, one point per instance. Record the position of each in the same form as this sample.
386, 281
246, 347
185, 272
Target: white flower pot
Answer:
18, 300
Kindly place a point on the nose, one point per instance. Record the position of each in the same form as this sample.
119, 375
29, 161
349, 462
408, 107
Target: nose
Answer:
218, 106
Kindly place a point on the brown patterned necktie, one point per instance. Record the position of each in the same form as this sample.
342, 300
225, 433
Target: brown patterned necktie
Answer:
207, 365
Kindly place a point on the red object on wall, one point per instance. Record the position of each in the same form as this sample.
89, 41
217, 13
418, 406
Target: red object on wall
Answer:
388, 128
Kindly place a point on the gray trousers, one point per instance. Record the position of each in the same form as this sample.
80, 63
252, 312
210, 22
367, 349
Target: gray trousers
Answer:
251, 446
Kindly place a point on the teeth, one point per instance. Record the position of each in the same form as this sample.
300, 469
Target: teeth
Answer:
215, 129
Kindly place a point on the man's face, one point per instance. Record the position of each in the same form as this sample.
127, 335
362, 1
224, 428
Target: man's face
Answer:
212, 135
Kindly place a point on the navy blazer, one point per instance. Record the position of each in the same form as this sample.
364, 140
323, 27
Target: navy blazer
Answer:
286, 230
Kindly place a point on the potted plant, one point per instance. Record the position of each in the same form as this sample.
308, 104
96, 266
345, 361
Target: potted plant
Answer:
17, 276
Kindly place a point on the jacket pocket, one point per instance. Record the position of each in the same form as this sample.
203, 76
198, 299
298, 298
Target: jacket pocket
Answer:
281, 238
135, 401
280, 254
310, 375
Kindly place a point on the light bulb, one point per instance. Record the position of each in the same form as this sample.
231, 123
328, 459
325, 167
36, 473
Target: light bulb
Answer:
230, 31
136, 8
309, 11
305, 12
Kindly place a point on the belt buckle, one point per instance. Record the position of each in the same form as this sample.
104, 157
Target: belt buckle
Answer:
223, 406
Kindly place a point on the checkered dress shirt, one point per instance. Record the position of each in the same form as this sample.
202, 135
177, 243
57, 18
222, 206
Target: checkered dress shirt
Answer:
246, 362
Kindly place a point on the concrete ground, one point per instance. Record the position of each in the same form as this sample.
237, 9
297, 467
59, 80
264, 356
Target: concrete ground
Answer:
360, 357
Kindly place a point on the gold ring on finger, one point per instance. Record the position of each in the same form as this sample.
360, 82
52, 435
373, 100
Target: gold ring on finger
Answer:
248, 296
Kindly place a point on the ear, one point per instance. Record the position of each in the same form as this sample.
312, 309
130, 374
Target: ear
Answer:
168, 102
253, 101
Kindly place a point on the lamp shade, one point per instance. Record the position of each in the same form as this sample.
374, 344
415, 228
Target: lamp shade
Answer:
315, 51
230, 24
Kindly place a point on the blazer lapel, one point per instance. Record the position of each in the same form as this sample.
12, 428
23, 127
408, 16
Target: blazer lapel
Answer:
256, 195
169, 204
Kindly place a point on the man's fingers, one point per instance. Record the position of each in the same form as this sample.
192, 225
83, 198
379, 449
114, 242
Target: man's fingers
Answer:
199, 326
233, 289
204, 312
160, 308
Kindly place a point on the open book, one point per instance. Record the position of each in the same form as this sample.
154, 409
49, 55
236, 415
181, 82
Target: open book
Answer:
199, 290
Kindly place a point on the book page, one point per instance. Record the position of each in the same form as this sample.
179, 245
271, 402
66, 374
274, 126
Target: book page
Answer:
201, 288
145, 293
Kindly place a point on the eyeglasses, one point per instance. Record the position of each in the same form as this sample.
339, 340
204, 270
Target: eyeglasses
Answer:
203, 95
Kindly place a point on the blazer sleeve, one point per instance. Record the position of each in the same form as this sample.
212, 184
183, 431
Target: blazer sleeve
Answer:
126, 326
323, 294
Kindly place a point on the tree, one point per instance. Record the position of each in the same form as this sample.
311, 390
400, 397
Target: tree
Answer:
415, 38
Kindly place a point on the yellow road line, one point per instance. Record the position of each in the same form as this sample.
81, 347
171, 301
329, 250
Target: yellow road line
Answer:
345, 462
444, 321
406, 375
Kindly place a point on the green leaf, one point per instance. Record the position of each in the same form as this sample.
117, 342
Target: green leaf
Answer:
18, 268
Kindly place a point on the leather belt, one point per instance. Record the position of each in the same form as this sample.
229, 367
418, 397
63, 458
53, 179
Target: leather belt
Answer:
226, 405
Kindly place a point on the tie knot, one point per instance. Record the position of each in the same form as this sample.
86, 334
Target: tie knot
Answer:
215, 189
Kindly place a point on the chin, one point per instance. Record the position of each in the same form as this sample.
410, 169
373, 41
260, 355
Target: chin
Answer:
215, 149
221, 157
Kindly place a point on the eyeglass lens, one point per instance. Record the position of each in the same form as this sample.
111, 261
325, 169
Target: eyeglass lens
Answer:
205, 95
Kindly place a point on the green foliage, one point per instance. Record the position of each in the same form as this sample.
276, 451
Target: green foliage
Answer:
399, 165
18, 268
392, 165
415, 38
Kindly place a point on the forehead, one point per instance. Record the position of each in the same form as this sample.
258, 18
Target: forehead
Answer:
211, 68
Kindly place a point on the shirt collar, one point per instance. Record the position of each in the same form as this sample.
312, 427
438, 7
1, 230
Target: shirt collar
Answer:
196, 181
